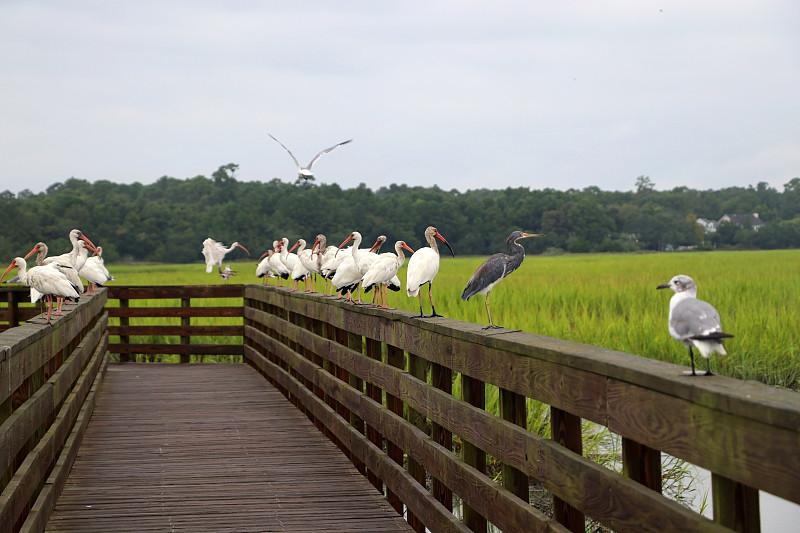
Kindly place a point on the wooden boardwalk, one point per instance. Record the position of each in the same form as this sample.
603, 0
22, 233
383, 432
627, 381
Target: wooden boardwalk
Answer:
210, 448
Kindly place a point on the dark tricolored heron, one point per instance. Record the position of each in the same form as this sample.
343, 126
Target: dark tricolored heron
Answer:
495, 269
694, 322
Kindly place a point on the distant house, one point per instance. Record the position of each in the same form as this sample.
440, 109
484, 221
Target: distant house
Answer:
743, 221
709, 226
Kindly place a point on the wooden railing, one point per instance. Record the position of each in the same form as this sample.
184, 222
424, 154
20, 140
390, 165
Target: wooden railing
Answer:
48, 378
379, 384
134, 307
15, 307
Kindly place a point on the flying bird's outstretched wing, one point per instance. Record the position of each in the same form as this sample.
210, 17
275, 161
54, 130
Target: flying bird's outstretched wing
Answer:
325, 151
296, 162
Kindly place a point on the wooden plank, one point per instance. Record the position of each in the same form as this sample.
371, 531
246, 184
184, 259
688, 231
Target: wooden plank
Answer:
154, 292
193, 349
199, 311
210, 448
132, 331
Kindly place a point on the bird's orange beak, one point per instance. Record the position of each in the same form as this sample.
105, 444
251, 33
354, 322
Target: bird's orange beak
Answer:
439, 236
348, 239
264, 255
243, 248
295, 246
526, 235
35, 250
12, 265
407, 247
85, 239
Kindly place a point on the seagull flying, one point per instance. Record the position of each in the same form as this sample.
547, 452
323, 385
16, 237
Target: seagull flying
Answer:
305, 172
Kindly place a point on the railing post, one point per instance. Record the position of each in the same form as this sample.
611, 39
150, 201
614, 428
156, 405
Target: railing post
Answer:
514, 409
565, 429
355, 342
376, 394
124, 339
13, 309
396, 358
735, 505
417, 367
441, 378
641, 464
473, 391
186, 321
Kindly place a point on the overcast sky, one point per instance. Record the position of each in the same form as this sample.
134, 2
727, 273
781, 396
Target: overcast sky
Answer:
461, 94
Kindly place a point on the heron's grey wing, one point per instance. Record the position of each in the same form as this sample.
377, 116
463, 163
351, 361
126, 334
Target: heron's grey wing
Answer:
693, 317
326, 150
296, 162
489, 273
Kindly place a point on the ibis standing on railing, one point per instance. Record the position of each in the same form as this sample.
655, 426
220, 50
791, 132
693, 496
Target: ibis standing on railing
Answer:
496, 268
423, 267
43, 280
384, 269
215, 253
305, 172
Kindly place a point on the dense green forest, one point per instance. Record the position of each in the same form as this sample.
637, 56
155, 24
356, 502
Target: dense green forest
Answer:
167, 221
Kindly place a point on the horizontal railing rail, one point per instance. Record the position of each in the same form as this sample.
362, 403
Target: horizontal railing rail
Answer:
48, 377
379, 384
134, 336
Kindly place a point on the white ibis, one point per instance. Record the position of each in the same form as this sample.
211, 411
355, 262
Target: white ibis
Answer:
73, 257
263, 270
305, 172
348, 274
384, 269
43, 280
95, 272
299, 269
275, 262
40, 249
496, 268
694, 322
423, 267
215, 252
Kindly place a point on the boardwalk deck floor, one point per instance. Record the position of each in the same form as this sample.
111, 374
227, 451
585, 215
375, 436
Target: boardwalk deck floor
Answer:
210, 448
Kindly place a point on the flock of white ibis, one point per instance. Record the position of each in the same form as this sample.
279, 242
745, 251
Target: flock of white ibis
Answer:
58, 278
693, 322
351, 270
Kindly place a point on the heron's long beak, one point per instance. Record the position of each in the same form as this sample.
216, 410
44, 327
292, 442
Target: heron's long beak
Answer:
407, 247
243, 248
439, 236
526, 235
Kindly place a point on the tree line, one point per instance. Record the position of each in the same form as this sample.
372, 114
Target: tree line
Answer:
167, 221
